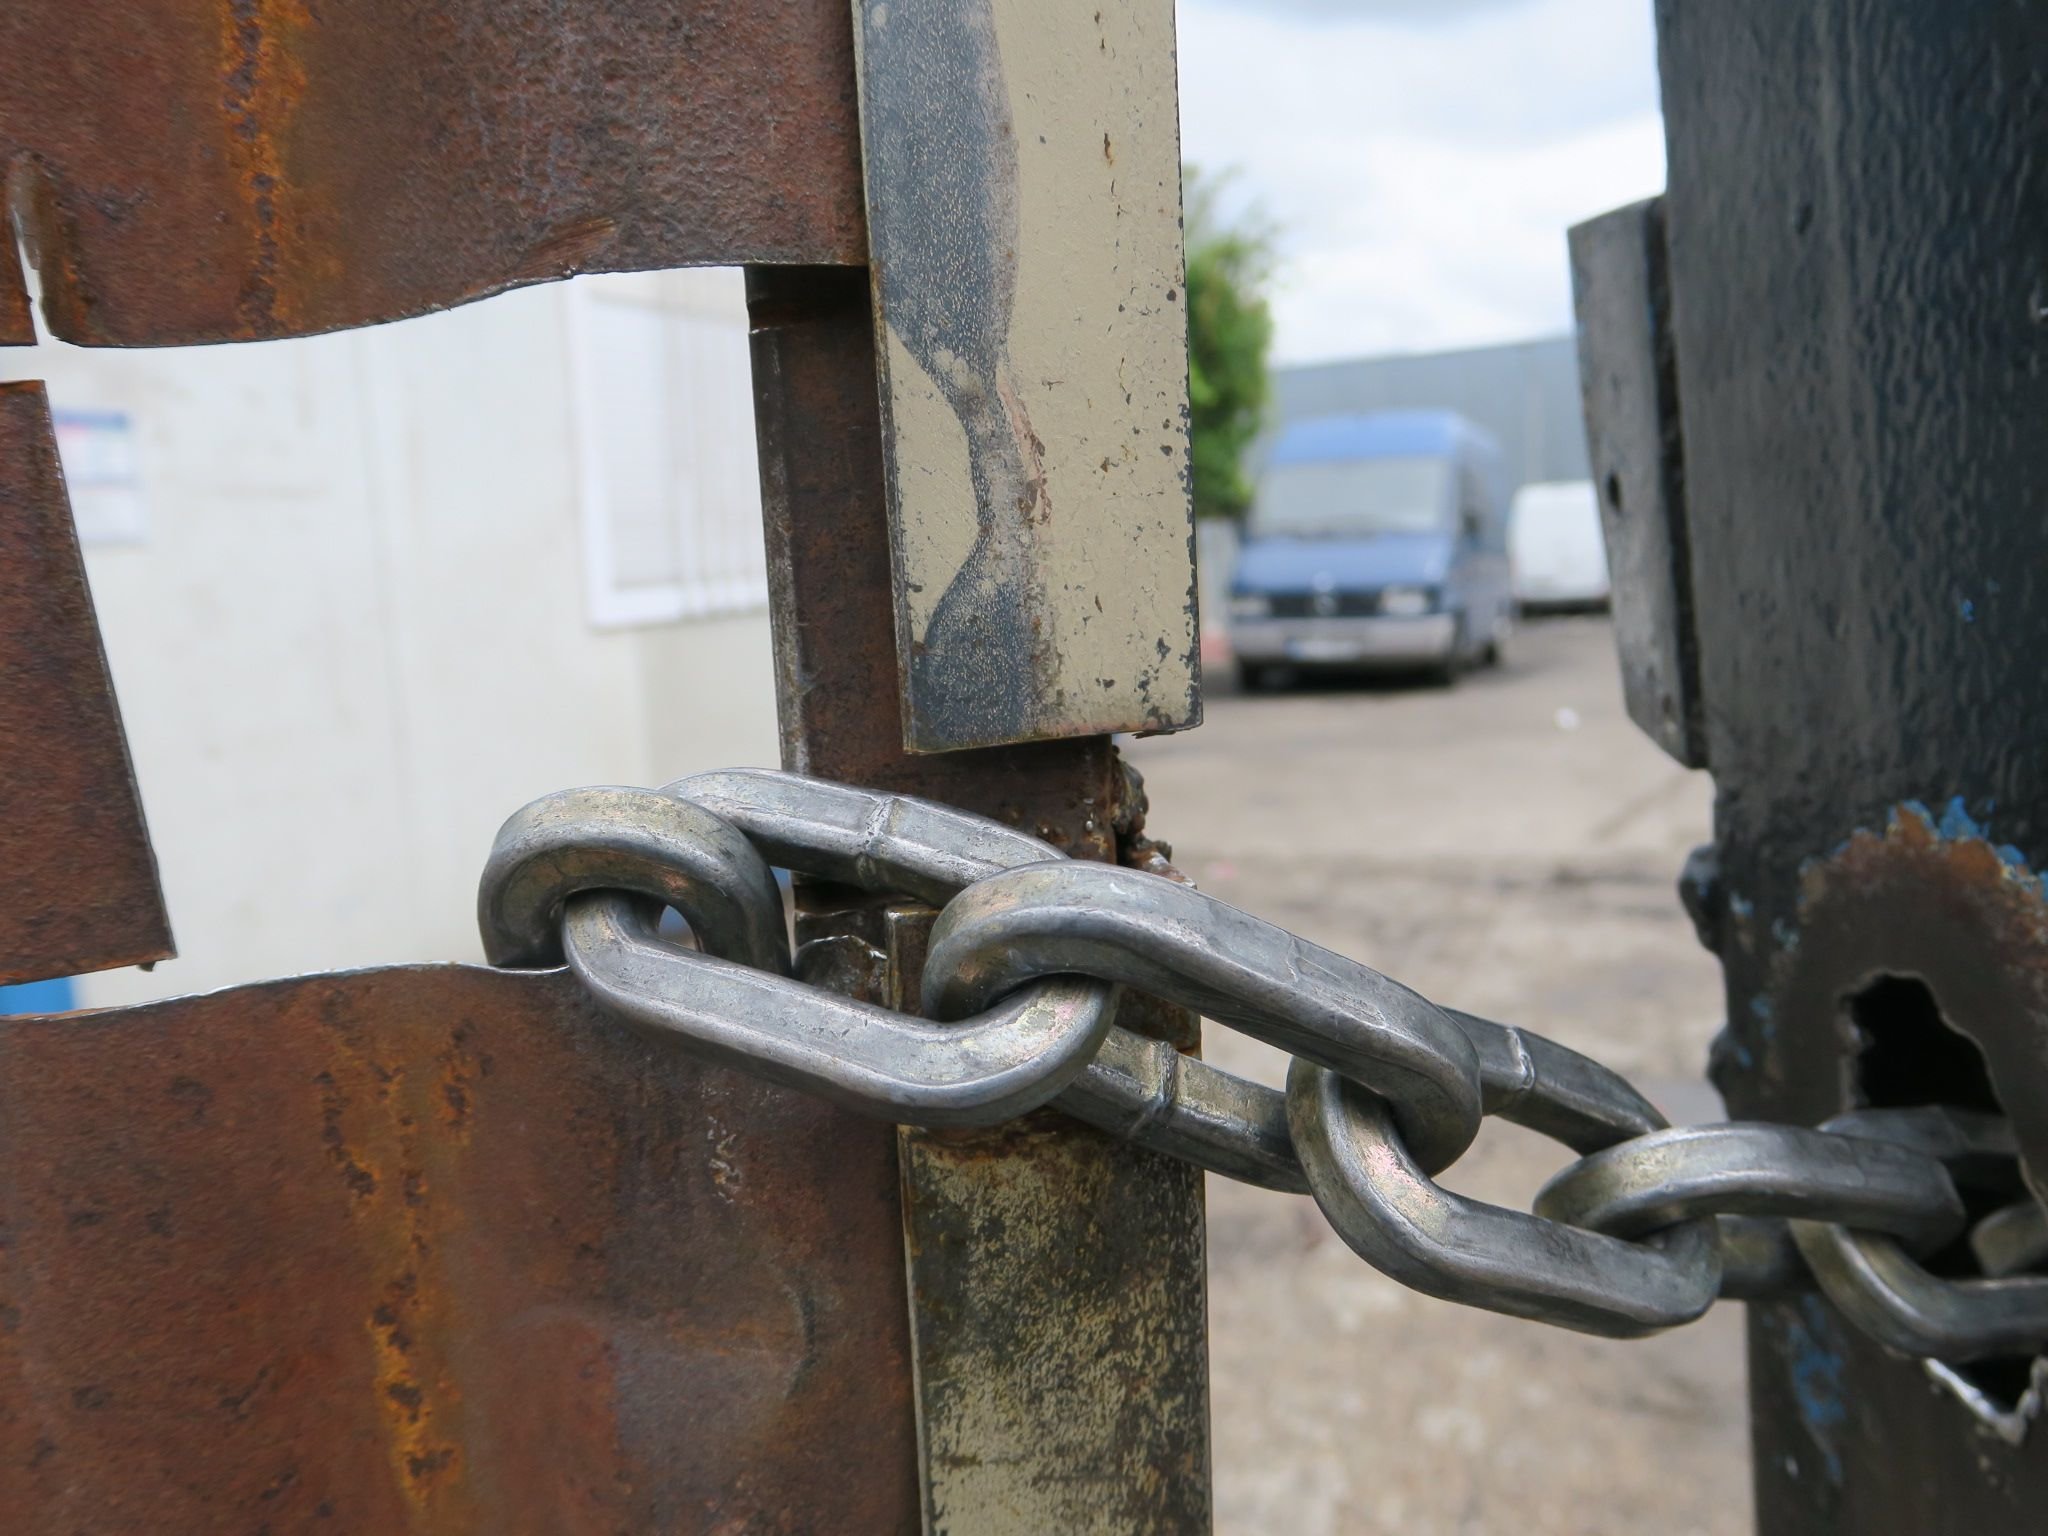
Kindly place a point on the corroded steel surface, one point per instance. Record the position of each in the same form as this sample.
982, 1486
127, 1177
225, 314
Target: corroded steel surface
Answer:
16, 327
226, 170
435, 1249
79, 890
1080, 1404
1933, 898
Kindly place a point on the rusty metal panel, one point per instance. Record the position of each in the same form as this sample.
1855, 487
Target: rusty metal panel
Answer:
80, 891
436, 1249
227, 170
1023, 193
17, 326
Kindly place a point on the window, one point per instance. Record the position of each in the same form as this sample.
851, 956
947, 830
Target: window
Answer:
1352, 497
670, 491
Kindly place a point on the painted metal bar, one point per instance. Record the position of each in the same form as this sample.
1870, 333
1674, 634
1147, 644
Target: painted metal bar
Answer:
1057, 1290
1022, 164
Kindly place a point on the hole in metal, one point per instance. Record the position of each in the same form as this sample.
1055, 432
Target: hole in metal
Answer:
1907, 1053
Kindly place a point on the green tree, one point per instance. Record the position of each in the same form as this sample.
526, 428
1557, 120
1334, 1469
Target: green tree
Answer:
1230, 261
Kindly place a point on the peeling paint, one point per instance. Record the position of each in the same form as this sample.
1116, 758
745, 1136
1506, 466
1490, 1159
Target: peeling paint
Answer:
1024, 217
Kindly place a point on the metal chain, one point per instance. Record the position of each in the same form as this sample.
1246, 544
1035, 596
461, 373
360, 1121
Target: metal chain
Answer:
1026, 961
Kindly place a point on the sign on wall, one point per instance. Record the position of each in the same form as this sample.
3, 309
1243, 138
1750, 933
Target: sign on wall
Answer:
1023, 186
103, 474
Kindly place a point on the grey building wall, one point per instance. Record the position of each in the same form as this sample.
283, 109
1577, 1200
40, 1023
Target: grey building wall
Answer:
1526, 394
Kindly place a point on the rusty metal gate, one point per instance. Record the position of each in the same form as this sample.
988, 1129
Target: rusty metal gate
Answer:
437, 1248
432, 1248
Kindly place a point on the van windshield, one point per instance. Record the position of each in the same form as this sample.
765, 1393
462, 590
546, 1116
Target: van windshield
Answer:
1353, 497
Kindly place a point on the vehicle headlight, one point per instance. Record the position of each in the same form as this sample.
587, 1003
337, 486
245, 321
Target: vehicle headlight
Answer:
1250, 605
1406, 602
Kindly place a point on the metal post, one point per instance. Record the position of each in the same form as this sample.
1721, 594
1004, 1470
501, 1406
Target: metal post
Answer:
1057, 1300
1857, 310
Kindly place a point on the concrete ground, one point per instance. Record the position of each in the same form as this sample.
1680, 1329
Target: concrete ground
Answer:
1509, 847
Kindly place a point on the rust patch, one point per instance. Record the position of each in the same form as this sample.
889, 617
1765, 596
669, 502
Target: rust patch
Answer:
258, 1274
229, 170
1931, 896
262, 82
80, 890
17, 325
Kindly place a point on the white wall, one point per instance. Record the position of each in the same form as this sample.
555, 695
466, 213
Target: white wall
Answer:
356, 632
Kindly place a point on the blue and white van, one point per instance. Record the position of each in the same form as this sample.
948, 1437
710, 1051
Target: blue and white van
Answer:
1374, 542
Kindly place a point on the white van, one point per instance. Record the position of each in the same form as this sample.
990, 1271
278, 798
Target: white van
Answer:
1556, 547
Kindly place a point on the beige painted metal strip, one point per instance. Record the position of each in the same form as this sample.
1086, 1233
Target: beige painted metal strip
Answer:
1022, 162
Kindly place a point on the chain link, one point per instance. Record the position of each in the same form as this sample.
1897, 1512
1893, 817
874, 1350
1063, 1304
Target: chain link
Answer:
1026, 961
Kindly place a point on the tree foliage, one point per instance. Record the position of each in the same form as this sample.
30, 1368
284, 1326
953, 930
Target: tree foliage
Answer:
1230, 330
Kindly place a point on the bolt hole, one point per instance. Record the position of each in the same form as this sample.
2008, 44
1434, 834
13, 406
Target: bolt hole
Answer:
1907, 1053
1613, 490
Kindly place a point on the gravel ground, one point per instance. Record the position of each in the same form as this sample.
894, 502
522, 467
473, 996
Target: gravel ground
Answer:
1508, 846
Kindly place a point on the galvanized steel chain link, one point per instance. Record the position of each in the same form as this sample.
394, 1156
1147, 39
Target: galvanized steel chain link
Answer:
1644, 1231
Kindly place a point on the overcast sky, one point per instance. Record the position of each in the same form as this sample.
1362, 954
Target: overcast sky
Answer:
1422, 158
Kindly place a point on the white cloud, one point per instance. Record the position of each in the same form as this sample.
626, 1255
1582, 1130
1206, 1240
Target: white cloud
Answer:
1423, 178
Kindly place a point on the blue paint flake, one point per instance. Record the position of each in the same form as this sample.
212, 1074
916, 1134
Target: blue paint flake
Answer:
1760, 1010
1957, 822
1816, 1367
1969, 611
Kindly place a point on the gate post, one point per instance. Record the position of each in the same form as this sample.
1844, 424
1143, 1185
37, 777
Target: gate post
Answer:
1061, 1359
1857, 311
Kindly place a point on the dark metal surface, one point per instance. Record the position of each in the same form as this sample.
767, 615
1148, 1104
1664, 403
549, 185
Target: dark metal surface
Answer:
1628, 379
79, 890
224, 170
940, 162
1857, 208
1090, 1316
435, 1249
